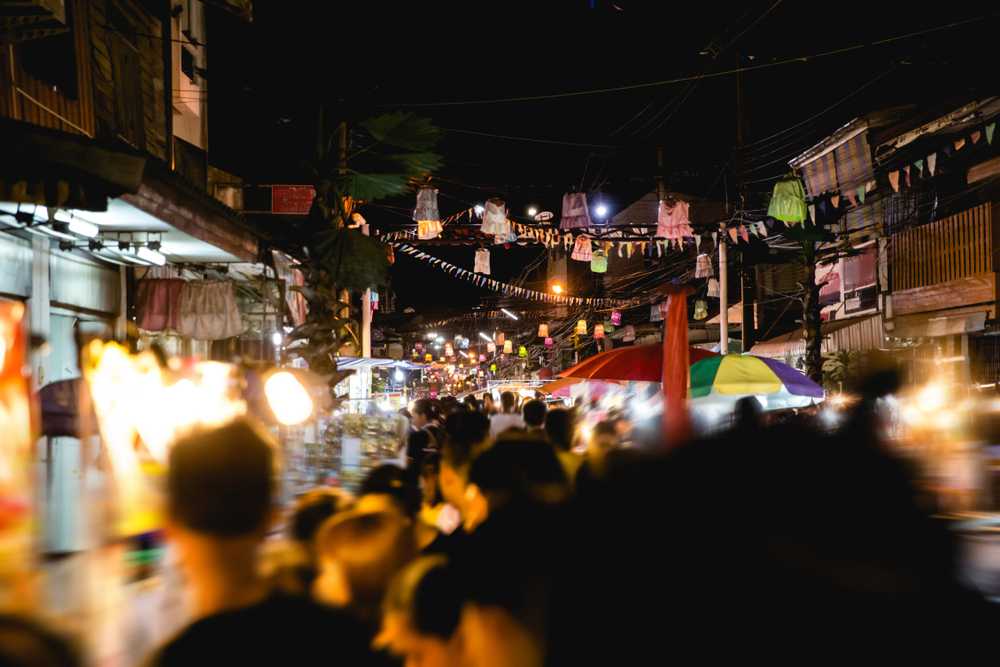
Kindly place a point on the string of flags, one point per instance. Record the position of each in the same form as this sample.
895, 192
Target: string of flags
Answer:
506, 288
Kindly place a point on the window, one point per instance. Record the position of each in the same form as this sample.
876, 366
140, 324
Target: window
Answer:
187, 63
52, 60
128, 78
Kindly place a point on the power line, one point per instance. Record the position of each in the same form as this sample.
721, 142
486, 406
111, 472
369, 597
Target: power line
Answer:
684, 79
529, 139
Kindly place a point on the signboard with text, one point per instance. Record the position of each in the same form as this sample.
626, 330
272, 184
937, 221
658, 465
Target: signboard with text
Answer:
292, 199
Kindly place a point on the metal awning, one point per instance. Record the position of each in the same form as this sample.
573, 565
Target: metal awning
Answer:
852, 334
931, 325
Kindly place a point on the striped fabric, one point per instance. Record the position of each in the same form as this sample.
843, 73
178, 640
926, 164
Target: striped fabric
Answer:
842, 170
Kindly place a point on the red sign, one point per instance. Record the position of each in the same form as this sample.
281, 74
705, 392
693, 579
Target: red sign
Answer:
292, 199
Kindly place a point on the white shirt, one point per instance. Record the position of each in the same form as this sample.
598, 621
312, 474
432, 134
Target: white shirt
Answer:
502, 422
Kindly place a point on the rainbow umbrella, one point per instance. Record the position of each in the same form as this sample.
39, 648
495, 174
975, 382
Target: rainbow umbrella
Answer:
726, 379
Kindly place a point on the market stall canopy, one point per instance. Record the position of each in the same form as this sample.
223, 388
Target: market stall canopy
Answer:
562, 387
726, 379
354, 363
638, 363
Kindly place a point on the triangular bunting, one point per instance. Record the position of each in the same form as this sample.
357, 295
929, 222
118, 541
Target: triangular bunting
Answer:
861, 193
975, 136
894, 180
762, 228
931, 163
959, 144
835, 201
989, 132
744, 235
919, 164
812, 213
732, 234
906, 173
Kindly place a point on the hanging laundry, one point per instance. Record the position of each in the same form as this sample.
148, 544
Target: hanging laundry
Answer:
158, 304
616, 317
672, 220
697, 243
703, 266
990, 129
788, 201
543, 330
894, 180
713, 288
835, 201
482, 262
628, 250
715, 238
700, 309
575, 213
975, 136
870, 186
494, 217
621, 249
931, 163
581, 250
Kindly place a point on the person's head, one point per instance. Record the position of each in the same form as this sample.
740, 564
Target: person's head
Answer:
467, 434
220, 484
517, 468
489, 405
449, 404
471, 404
508, 401
421, 612
392, 481
27, 643
360, 551
604, 438
534, 413
560, 427
311, 510
424, 412
747, 412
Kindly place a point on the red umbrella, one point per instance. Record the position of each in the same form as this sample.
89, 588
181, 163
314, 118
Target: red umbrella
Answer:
638, 363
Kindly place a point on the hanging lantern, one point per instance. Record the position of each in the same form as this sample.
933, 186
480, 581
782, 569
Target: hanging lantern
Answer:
713, 288
700, 309
426, 214
428, 357
608, 327
449, 351
491, 348
493, 368
598, 262
549, 343
494, 218
788, 201
508, 347
543, 330
441, 359
703, 266
482, 358
598, 331
500, 338
390, 255
522, 352
582, 251
629, 335
581, 327
482, 262
616, 317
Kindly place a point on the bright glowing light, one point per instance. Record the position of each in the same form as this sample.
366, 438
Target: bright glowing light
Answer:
431, 336
83, 228
532, 211
601, 211
276, 338
485, 337
557, 288
151, 256
931, 397
509, 314
400, 375
288, 399
479, 208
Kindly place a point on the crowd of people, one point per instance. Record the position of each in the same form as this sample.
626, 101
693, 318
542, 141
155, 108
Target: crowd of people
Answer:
506, 541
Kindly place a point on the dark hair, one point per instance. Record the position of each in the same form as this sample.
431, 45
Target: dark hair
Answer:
606, 427
534, 413
425, 407
471, 403
517, 466
465, 431
393, 481
559, 426
429, 593
28, 643
221, 481
508, 401
312, 509
449, 404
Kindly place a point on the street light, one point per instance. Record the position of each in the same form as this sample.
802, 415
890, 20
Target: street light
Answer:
601, 211
400, 376
532, 211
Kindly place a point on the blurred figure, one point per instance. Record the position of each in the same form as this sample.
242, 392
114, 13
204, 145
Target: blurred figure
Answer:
421, 612
508, 418
517, 468
747, 414
292, 564
560, 428
392, 481
220, 486
533, 414
603, 441
27, 643
489, 406
425, 435
471, 404
360, 551
448, 405
467, 435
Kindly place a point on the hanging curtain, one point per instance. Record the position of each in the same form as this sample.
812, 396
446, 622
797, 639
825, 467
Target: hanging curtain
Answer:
575, 213
482, 264
427, 215
672, 220
208, 310
582, 250
703, 267
157, 303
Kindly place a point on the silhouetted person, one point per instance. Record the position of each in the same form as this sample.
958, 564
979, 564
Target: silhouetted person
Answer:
533, 414
508, 417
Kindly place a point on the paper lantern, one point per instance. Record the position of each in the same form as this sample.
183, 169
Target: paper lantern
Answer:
522, 352
598, 331
493, 368
449, 351
491, 348
543, 330
426, 214
608, 327
508, 347
616, 317
629, 334
788, 201
482, 357
581, 327
500, 338
428, 357
713, 288
582, 251
700, 309
599, 262
549, 342
482, 261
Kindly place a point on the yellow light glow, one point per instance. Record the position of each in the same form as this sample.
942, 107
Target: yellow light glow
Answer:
557, 288
931, 397
288, 399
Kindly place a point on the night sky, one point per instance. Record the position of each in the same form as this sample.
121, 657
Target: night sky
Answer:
268, 78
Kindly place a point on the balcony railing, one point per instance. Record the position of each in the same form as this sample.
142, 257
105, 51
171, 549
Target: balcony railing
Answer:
955, 247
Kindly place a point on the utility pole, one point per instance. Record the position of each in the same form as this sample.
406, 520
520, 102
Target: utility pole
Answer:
747, 286
723, 292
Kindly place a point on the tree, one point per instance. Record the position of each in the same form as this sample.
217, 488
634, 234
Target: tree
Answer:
379, 157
